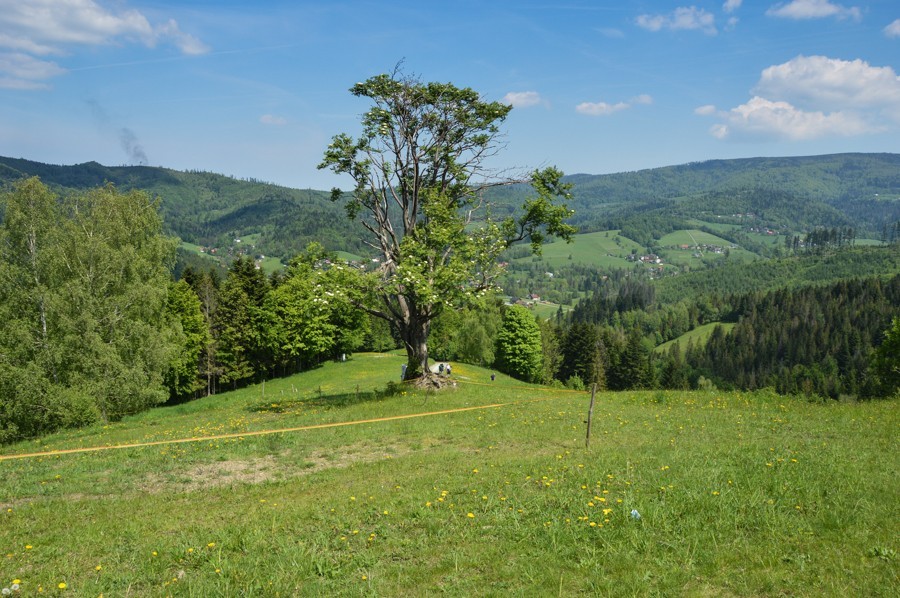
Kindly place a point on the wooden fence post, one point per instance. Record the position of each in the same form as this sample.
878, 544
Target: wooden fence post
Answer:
587, 440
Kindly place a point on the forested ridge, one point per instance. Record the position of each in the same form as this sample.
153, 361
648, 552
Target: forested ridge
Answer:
97, 328
814, 340
799, 193
210, 209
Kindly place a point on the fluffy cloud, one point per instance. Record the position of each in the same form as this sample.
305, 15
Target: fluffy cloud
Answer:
51, 27
600, 108
705, 110
815, 96
731, 5
765, 119
21, 71
681, 18
893, 30
522, 99
814, 9
831, 84
605, 109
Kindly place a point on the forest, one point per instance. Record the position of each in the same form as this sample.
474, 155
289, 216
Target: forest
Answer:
99, 323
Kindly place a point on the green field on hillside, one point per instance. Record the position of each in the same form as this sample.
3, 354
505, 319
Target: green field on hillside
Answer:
698, 335
606, 249
485, 489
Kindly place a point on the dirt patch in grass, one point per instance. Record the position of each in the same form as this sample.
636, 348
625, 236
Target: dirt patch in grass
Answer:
259, 470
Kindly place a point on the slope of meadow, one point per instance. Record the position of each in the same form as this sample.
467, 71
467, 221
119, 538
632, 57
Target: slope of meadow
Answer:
704, 494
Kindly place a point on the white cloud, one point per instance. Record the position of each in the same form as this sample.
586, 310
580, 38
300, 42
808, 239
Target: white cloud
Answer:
271, 119
812, 97
52, 27
688, 18
188, 44
605, 109
731, 5
705, 110
762, 118
893, 30
21, 71
814, 9
522, 99
831, 84
600, 108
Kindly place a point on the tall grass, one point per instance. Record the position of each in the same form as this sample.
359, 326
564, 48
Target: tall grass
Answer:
703, 494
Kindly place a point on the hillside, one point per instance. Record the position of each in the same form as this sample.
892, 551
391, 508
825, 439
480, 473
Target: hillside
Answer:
794, 195
316, 485
860, 190
212, 210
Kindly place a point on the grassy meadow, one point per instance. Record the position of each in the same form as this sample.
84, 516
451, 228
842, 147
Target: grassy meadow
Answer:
605, 249
698, 335
487, 489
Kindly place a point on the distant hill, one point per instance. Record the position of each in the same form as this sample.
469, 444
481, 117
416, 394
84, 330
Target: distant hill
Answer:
861, 190
794, 194
212, 210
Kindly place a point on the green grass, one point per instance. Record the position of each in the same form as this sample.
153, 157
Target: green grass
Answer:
738, 495
698, 335
599, 249
692, 238
271, 264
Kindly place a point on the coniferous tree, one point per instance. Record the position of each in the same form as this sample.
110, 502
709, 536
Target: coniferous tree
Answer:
518, 351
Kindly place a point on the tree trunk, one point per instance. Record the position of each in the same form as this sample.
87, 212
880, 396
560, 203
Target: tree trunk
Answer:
415, 339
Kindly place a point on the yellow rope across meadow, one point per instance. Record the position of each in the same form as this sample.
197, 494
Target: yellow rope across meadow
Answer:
92, 449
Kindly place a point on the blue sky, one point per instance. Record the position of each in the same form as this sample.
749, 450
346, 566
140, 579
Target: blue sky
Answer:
257, 89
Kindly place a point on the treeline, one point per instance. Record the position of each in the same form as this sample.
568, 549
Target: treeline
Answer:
822, 238
253, 327
84, 292
815, 341
94, 328
794, 271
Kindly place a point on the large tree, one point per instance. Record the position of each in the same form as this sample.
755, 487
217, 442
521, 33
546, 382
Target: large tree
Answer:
419, 168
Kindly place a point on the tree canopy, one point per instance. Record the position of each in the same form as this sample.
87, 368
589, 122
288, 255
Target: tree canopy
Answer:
84, 282
420, 171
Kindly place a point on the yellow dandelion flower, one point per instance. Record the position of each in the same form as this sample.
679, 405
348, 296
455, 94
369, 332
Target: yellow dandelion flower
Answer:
211, 545
98, 567
470, 515
62, 585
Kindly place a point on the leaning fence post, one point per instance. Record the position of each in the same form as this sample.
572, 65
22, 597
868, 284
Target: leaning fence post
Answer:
587, 440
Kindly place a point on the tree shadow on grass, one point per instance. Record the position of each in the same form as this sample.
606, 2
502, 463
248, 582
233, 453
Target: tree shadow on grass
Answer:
331, 401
